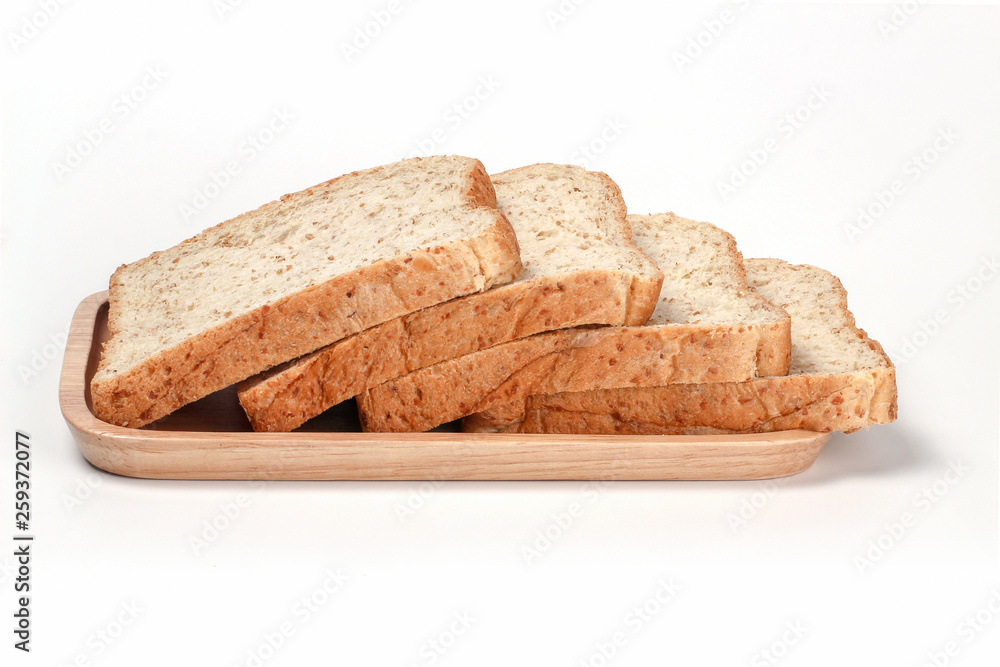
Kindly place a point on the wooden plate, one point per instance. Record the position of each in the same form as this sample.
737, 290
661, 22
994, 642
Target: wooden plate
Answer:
212, 439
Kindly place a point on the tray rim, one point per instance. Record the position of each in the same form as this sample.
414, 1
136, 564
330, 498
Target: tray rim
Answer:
156, 454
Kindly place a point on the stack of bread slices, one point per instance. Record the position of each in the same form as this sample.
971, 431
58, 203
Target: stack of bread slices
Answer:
529, 301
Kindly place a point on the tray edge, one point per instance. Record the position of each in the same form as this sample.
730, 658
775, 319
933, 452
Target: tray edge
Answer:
420, 456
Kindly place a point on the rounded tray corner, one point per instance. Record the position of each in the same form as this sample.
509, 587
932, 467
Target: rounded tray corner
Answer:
225, 448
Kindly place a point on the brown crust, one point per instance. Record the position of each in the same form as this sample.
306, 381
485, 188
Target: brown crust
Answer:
841, 402
816, 402
774, 351
285, 398
477, 384
774, 354
496, 382
305, 321
644, 290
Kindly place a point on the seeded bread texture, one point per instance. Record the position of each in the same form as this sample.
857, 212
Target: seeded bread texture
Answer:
294, 275
580, 267
683, 342
840, 379
499, 381
706, 283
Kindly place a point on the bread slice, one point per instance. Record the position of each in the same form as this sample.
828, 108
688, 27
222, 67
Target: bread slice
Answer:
840, 379
580, 267
708, 326
294, 275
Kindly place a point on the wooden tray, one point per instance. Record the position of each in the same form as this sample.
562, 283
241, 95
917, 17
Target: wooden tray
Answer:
212, 439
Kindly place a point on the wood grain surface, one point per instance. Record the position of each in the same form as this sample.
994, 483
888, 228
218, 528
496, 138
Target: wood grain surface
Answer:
212, 439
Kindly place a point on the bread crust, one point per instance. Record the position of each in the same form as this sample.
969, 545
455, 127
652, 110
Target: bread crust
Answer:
841, 402
304, 321
774, 352
496, 382
286, 397
820, 402
644, 289
620, 357
290, 395
774, 348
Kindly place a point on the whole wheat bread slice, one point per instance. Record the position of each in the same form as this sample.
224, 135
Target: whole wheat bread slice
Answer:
580, 267
294, 275
840, 379
708, 326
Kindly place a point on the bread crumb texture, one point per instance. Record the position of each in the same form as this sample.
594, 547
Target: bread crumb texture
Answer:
282, 275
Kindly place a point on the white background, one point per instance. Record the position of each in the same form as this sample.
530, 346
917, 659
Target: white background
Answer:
881, 95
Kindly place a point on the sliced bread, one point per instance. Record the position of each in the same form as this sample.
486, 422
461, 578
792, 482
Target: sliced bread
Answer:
840, 379
294, 275
708, 326
580, 267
